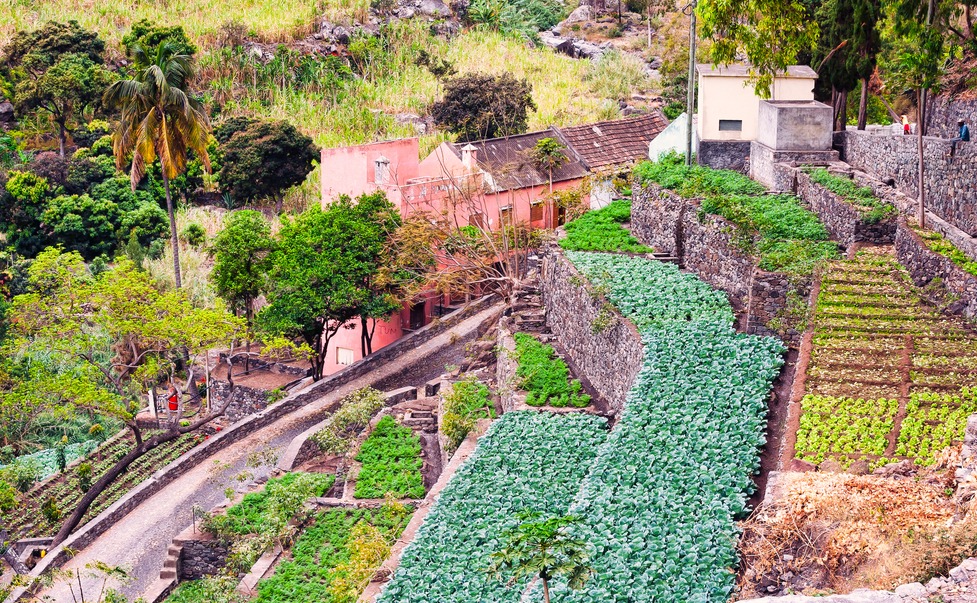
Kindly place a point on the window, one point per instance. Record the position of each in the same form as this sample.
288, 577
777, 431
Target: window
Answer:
730, 125
477, 220
344, 356
505, 214
536, 212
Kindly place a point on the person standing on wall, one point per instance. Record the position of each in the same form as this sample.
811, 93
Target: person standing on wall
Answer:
905, 125
963, 135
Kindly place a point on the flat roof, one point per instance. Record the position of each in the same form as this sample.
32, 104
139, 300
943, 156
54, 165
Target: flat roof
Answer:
740, 70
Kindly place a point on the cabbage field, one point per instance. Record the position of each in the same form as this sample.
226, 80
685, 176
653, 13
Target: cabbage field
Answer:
527, 461
660, 500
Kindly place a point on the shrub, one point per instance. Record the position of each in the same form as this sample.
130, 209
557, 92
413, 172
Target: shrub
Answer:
51, 511
85, 474
355, 412
467, 401
271, 508
478, 106
194, 234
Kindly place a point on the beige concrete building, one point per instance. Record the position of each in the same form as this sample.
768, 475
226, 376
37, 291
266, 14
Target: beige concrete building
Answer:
729, 108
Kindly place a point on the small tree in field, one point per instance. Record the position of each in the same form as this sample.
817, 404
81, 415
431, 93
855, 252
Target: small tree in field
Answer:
480, 106
543, 548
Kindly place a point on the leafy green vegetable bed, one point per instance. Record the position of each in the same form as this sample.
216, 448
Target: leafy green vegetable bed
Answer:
784, 235
936, 243
660, 500
251, 515
391, 459
526, 461
545, 376
603, 230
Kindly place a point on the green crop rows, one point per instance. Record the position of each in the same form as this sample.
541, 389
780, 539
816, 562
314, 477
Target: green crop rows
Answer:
603, 230
778, 229
660, 500
526, 461
391, 459
545, 376
873, 342
936, 243
251, 514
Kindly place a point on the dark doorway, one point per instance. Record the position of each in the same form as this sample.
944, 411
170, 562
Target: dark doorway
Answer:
417, 316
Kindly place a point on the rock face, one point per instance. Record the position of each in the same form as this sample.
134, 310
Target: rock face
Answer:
6, 112
951, 184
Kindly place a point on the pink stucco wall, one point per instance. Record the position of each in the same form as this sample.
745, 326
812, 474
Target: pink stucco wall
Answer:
352, 170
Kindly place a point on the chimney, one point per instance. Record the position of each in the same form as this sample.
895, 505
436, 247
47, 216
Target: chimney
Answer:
381, 173
468, 153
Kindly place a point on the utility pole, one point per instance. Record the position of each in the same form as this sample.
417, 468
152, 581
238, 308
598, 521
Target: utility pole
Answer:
690, 106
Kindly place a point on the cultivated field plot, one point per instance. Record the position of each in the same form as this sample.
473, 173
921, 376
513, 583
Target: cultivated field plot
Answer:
889, 378
28, 521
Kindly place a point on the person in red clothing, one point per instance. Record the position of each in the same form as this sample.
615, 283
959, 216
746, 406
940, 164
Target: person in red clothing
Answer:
905, 125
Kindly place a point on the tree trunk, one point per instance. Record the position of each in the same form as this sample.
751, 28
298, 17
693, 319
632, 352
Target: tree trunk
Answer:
546, 591
842, 110
366, 336
62, 140
174, 239
106, 480
8, 555
921, 199
279, 199
863, 105
834, 109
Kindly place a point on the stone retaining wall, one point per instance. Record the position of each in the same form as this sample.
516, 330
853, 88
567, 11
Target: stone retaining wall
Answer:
201, 557
706, 244
245, 401
951, 186
610, 358
238, 431
844, 222
946, 283
942, 113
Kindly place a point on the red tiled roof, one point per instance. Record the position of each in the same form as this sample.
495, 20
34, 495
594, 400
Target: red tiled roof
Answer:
612, 143
509, 162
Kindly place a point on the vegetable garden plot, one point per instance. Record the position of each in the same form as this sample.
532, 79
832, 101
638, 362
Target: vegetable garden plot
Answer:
545, 376
28, 521
873, 342
391, 458
603, 230
526, 461
660, 500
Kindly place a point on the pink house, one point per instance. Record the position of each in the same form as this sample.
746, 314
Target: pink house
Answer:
485, 183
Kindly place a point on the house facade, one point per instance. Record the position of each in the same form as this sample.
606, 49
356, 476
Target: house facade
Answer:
486, 183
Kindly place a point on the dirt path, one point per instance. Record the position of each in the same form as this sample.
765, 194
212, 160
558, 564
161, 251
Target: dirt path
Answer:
139, 541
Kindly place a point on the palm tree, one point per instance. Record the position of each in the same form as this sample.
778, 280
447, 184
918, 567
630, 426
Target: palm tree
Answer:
159, 120
543, 548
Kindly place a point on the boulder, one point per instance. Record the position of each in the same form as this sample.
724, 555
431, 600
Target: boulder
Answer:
6, 112
801, 466
895, 470
579, 15
434, 8
831, 466
859, 468
910, 591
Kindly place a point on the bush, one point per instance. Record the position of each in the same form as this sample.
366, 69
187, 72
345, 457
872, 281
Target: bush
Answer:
51, 511
478, 106
194, 234
467, 401
354, 414
271, 508
84, 472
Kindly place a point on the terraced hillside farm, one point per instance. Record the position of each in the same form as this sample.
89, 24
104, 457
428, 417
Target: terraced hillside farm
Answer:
889, 378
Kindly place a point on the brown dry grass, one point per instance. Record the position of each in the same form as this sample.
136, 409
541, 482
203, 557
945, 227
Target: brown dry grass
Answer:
840, 532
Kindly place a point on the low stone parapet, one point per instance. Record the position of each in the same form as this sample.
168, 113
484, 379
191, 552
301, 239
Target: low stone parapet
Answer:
942, 281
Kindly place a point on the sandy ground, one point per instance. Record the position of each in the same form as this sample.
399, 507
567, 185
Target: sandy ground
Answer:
140, 540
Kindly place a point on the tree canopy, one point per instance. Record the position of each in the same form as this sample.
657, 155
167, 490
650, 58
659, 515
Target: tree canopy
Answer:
242, 259
480, 106
262, 159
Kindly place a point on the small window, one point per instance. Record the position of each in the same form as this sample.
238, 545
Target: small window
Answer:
730, 125
344, 356
536, 212
505, 213
477, 220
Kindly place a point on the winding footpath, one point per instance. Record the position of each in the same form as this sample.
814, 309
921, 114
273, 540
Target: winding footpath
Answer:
139, 541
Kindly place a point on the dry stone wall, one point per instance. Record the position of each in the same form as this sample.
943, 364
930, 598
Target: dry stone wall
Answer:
706, 245
948, 284
201, 558
951, 185
942, 113
609, 358
845, 224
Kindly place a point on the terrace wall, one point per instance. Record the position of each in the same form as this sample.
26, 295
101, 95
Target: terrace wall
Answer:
945, 282
951, 185
609, 358
844, 222
201, 556
706, 244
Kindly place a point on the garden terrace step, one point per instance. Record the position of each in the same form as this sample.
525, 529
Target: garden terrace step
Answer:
174, 550
170, 563
167, 574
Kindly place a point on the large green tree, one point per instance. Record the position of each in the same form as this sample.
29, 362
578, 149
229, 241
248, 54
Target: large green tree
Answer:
477, 106
264, 159
58, 70
320, 268
160, 119
105, 340
770, 33
848, 51
242, 259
